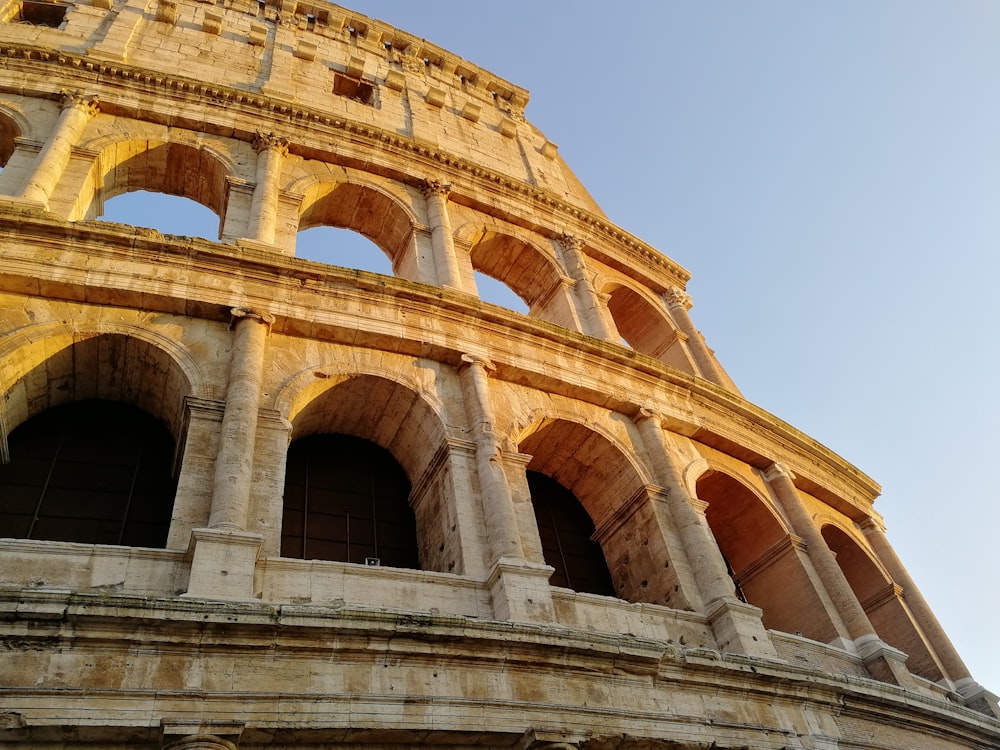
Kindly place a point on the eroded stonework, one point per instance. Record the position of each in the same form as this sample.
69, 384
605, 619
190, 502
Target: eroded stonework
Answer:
753, 599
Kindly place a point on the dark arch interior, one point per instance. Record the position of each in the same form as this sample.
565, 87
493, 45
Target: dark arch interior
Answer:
97, 472
347, 499
566, 530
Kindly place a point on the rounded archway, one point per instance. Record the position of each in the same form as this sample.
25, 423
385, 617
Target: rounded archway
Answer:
646, 328
180, 169
106, 366
94, 426
358, 433
884, 603
603, 480
362, 208
523, 269
768, 566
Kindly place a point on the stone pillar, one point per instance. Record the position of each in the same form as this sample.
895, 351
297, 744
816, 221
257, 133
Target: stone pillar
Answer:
498, 505
519, 588
824, 561
884, 662
224, 555
948, 657
271, 151
77, 110
234, 463
678, 303
442, 241
737, 626
593, 307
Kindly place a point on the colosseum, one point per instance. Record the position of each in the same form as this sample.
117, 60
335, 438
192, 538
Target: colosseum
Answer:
250, 500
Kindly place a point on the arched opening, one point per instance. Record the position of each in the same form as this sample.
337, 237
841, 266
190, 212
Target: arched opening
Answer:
647, 329
768, 567
883, 602
95, 472
346, 499
514, 274
110, 367
176, 169
601, 479
168, 214
566, 534
342, 247
377, 420
363, 209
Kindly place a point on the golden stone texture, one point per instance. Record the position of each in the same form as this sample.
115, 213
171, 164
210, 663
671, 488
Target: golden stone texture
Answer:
281, 116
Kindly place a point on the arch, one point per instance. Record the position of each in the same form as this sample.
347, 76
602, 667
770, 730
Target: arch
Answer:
362, 207
93, 472
401, 421
647, 326
883, 601
602, 477
768, 565
51, 364
376, 408
346, 499
531, 274
184, 167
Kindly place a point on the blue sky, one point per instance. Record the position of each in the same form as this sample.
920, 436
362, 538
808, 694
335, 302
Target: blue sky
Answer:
830, 174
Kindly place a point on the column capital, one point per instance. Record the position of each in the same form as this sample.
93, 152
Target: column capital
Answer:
871, 524
646, 412
675, 297
571, 242
435, 187
87, 103
243, 313
776, 470
477, 360
269, 141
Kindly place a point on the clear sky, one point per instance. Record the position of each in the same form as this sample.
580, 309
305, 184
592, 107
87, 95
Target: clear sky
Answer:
830, 174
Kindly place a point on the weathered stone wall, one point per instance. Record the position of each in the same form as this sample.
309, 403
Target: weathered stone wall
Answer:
281, 117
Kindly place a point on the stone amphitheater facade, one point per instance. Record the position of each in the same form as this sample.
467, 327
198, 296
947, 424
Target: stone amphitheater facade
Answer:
749, 598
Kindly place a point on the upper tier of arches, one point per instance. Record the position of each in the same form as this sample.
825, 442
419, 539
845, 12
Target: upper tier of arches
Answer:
266, 193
